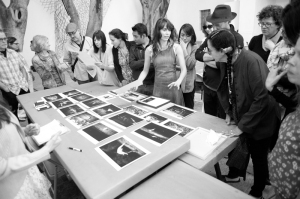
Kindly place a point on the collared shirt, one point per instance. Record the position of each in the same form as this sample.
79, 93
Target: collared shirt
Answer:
11, 72
71, 50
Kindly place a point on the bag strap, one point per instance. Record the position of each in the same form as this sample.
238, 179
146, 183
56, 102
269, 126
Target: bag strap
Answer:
76, 60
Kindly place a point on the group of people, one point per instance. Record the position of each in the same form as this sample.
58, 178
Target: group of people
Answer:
255, 89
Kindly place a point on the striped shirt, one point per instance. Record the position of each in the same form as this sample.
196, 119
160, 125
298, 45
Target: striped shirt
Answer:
71, 50
11, 74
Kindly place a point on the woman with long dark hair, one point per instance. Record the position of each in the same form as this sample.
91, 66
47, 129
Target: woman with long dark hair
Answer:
187, 40
245, 99
121, 48
165, 55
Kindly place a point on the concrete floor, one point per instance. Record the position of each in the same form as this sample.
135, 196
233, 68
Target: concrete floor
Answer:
68, 189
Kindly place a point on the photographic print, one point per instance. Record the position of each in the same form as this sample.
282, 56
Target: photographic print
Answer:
183, 129
82, 119
107, 97
61, 103
131, 96
98, 132
156, 134
93, 102
125, 120
106, 110
70, 110
71, 93
152, 117
52, 98
81, 97
135, 110
121, 152
154, 102
178, 112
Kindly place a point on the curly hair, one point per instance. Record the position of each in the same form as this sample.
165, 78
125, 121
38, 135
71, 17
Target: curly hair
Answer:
271, 11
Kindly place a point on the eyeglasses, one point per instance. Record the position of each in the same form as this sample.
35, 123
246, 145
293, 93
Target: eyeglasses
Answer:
3, 39
267, 25
208, 26
72, 33
182, 35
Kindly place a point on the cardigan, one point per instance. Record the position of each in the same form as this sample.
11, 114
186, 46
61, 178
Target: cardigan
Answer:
258, 112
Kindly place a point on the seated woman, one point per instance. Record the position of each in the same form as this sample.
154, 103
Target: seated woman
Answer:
245, 99
102, 54
165, 55
47, 65
120, 52
19, 175
187, 39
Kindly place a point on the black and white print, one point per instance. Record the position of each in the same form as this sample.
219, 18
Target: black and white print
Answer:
153, 117
124, 120
99, 131
121, 152
81, 97
71, 93
93, 103
135, 110
52, 98
178, 112
131, 96
184, 130
61, 103
107, 97
83, 119
155, 133
106, 110
70, 110
154, 102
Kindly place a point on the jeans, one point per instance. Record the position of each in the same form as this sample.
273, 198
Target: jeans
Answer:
189, 99
212, 105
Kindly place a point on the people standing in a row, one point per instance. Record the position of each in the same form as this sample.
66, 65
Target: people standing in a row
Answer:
165, 53
137, 58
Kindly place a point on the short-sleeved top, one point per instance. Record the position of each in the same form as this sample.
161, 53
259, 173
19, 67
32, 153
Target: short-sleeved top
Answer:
284, 160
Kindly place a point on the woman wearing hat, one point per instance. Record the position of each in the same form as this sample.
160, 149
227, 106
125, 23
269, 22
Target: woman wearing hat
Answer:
270, 22
248, 104
220, 18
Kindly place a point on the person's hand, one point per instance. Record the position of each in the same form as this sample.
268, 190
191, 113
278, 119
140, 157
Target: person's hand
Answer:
182, 44
236, 131
100, 64
32, 129
6, 89
273, 77
53, 142
229, 120
269, 44
175, 84
63, 66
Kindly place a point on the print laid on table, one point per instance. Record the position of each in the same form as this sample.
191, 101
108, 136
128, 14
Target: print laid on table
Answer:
106, 97
183, 129
155, 133
132, 96
72, 93
52, 98
81, 97
99, 131
61, 103
125, 120
93, 103
135, 110
83, 119
153, 117
70, 110
121, 152
178, 112
106, 110
153, 102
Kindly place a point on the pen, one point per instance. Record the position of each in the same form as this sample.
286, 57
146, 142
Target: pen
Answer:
75, 149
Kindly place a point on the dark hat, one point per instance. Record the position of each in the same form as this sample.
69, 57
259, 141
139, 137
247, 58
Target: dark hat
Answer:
71, 27
221, 13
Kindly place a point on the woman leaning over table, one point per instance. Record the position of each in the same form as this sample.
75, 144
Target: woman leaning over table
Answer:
165, 55
284, 160
19, 175
47, 65
247, 103
270, 22
120, 53
102, 54
187, 40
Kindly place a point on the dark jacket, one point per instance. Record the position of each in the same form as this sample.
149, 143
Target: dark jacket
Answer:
136, 63
211, 76
257, 111
118, 68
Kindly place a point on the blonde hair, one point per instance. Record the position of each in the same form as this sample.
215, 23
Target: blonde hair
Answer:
39, 43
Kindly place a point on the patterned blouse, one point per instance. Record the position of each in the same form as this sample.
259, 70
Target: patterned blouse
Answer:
124, 63
284, 160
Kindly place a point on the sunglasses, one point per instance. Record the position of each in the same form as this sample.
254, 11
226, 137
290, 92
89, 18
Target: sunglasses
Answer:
208, 26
